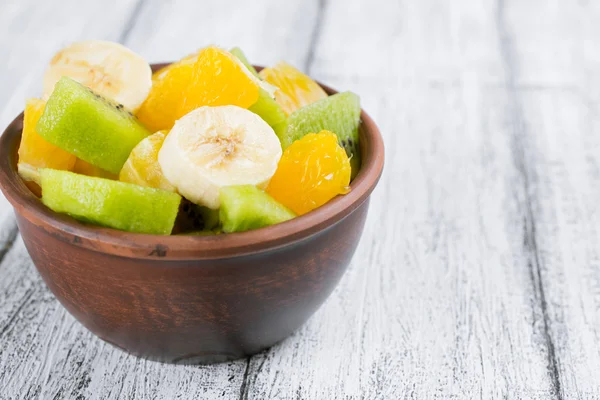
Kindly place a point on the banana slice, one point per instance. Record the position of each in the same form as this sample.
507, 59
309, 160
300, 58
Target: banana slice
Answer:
108, 68
213, 147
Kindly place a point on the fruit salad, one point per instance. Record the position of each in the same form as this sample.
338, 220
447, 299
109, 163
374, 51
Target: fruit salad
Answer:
206, 145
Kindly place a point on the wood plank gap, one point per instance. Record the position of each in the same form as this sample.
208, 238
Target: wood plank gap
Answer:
244, 386
10, 240
131, 21
12, 318
521, 161
315, 36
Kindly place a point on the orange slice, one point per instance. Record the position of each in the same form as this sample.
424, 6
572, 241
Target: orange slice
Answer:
85, 168
34, 151
213, 77
161, 107
142, 167
219, 79
311, 171
296, 89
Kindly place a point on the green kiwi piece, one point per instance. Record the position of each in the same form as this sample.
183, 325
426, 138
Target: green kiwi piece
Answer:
339, 113
245, 207
236, 51
109, 203
210, 218
94, 128
267, 108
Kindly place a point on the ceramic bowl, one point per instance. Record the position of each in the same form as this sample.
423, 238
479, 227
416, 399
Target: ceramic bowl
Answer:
194, 299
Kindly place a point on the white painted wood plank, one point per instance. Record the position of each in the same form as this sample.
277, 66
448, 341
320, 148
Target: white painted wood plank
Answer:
266, 30
439, 301
562, 138
555, 61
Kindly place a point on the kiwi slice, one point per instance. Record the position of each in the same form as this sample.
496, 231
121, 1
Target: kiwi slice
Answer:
236, 51
95, 129
267, 108
113, 204
245, 207
339, 113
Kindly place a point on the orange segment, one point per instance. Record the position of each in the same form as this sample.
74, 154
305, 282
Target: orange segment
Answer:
219, 79
85, 168
311, 171
34, 151
296, 89
142, 167
161, 107
213, 77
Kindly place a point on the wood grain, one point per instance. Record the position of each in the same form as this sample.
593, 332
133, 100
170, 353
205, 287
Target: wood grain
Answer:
477, 276
555, 65
267, 30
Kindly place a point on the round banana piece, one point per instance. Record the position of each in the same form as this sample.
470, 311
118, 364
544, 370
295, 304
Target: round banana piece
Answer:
108, 68
213, 147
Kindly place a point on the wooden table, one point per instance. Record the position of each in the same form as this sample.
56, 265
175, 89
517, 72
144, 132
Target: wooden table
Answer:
478, 275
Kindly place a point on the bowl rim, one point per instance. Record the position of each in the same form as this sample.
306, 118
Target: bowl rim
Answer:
186, 247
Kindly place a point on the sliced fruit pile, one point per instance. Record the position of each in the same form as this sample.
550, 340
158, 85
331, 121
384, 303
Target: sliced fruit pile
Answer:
203, 146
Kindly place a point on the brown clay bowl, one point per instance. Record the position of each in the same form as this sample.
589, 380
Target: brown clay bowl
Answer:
193, 299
